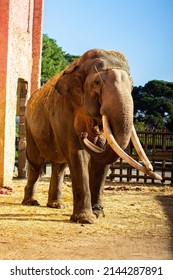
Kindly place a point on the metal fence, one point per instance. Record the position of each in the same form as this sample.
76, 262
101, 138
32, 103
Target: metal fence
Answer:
159, 149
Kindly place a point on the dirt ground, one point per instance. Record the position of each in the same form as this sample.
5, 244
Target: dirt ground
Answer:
138, 225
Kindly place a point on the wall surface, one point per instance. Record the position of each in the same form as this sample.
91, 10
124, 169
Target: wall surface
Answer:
21, 49
4, 19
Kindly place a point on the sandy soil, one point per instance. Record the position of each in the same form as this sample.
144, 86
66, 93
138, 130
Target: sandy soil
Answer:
138, 225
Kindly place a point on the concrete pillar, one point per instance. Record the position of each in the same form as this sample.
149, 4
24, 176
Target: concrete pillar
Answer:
4, 20
37, 44
20, 56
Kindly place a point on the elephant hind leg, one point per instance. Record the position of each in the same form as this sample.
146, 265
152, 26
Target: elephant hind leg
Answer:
35, 164
33, 174
55, 189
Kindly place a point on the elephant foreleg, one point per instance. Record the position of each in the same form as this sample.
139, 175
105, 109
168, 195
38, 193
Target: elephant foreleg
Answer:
55, 188
98, 174
82, 210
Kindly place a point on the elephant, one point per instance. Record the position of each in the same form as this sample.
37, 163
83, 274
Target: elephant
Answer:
83, 118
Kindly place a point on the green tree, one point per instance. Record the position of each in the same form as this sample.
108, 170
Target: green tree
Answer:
153, 104
54, 59
70, 58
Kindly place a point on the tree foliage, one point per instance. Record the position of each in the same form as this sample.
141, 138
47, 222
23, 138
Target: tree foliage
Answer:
153, 104
54, 59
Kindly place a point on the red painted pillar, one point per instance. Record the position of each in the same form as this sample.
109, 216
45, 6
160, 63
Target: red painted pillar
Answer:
37, 45
4, 23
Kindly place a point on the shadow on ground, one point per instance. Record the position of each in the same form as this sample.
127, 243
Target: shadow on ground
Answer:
166, 202
35, 216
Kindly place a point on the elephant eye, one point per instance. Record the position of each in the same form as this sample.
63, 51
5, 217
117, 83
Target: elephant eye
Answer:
97, 82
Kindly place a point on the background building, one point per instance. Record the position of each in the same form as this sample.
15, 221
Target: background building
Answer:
20, 63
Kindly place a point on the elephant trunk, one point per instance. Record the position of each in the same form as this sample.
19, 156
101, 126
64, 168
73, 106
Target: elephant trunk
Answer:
117, 106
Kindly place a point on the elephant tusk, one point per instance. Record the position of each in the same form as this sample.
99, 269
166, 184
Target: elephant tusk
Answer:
117, 149
91, 145
140, 150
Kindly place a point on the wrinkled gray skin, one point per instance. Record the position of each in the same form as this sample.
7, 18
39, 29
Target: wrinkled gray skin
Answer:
59, 114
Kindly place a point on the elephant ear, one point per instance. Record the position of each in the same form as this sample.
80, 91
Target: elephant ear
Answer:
70, 83
62, 84
72, 79
72, 66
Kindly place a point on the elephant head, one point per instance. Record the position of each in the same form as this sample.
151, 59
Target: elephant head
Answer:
99, 87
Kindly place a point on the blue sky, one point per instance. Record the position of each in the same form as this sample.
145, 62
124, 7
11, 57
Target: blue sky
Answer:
141, 29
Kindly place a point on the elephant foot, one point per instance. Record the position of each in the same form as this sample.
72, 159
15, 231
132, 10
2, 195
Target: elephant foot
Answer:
98, 210
83, 218
30, 202
55, 204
